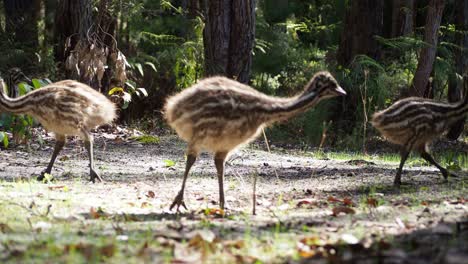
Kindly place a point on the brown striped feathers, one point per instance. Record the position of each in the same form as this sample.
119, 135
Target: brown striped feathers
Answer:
415, 122
218, 114
65, 108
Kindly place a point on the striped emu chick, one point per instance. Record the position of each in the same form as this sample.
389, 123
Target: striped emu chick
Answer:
65, 108
218, 114
414, 123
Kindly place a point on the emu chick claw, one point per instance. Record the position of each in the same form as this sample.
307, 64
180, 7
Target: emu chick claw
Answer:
179, 200
94, 175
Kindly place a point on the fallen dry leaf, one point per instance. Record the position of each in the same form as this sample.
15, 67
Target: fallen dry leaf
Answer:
246, 259
237, 244
96, 214
332, 199
4, 228
310, 246
108, 250
348, 202
213, 212
145, 205
371, 202
150, 194
58, 187
460, 200
306, 202
87, 250
342, 210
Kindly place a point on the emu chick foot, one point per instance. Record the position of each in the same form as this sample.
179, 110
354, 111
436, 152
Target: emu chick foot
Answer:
42, 176
94, 175
178, 200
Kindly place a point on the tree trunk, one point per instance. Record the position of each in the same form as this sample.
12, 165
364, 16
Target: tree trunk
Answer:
402, 18
229, 38
455, 87
73, 19
428, 53
363, 21
50, 6
21, 21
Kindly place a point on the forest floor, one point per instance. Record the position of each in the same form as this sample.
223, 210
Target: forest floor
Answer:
310, 207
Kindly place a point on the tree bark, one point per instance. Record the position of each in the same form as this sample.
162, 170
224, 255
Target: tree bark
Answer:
455, 87
229, 38
73, 19
363, 21
402, 18
428, 53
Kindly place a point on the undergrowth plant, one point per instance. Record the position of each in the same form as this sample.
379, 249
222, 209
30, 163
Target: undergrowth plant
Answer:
20, 126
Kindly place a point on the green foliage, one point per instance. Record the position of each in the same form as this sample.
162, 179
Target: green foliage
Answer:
125, 95
20, 126
4, 139
169, 45
147, 139
169, 163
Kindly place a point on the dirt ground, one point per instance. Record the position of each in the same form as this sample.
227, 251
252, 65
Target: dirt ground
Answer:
309, 209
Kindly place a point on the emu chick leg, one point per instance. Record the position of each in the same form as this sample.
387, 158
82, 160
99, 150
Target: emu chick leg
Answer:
179, 199
88, 140
404, 155
60, 142
425, 155
220, 157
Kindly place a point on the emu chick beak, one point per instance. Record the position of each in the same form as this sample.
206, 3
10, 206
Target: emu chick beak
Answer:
340, 91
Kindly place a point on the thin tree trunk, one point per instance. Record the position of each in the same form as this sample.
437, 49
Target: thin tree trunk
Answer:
402, 18
229, 38
455, 87
428, 53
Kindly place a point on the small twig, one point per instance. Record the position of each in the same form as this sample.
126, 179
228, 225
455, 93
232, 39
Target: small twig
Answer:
240, 178
254, 193
269, 151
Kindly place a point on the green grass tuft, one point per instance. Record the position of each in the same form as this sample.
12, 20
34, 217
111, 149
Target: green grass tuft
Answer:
147, 139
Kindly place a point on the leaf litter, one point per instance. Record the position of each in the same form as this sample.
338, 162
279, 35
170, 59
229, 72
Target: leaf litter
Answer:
319, 217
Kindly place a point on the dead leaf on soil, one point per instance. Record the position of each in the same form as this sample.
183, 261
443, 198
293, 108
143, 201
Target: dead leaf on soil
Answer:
332, 199
371, 202
460, 200
237, 244
145, 205
246, 259
59, 187
342, 210
4, 228
87, 250
310, 246
306, 203
96, 214
213, 212
150, 194
108, 250
348, 202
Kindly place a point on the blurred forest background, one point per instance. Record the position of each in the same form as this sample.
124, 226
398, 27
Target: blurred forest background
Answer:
378, 50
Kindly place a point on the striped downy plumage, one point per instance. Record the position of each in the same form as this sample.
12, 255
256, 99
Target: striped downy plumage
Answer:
13, 78
65, 108
218, 114
415, 122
